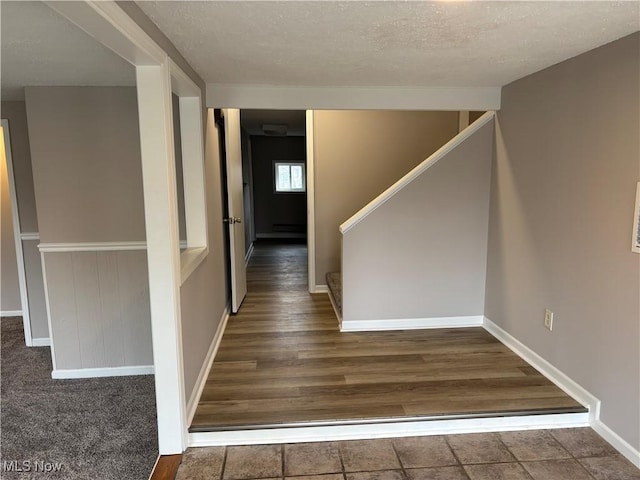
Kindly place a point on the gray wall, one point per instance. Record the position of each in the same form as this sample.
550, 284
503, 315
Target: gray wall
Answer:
10, 291
433, 235
563, 188
85, 150
16, 114
358, 155
203, 297
277, 213
85, 153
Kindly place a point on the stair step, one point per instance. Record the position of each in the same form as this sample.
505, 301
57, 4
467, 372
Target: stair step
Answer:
334, 281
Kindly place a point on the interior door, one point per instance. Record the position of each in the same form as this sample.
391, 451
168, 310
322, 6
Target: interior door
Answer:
235, 202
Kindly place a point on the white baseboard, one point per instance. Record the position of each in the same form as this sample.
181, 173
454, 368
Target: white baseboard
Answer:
319, 289
570, 387
41, 342
192, 404
411, 323
386, 430
336, 310
556, 376
11, 313
617, 442
102, 372
247, 257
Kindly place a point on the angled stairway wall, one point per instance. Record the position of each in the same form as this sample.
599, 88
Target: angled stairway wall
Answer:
430, 229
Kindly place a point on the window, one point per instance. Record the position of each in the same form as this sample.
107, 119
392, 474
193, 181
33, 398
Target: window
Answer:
289, 177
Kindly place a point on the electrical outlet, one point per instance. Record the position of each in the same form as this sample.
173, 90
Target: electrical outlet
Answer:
548, 319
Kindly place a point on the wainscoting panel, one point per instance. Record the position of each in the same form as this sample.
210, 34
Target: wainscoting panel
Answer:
99, 308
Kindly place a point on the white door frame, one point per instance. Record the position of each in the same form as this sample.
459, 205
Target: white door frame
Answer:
311, 204
17, 235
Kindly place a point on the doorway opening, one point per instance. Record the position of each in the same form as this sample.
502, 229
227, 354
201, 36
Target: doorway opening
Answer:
272, 213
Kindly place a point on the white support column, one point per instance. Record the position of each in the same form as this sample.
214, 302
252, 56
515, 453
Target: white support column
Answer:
311, 203
163, 252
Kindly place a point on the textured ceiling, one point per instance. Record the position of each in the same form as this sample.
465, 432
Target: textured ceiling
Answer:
39, 47
390, 43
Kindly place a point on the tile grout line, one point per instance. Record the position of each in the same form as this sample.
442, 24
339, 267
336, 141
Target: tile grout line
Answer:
571, 455
499, 438
526, 472
550, 433
224, 463
282, 447
455, 455
404, 472
344, 472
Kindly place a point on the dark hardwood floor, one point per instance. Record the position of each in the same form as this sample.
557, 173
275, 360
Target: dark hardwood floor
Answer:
283, 360
166, 467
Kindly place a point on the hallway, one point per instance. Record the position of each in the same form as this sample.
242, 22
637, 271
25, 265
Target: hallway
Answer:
283, 361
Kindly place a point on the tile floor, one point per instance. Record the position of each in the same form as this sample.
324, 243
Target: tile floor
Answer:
567, 454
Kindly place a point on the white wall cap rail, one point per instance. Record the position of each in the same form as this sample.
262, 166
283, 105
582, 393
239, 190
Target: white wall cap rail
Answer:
92, 246
416, 172
29, 236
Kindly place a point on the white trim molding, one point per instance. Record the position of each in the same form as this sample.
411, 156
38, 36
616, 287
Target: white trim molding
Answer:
617, 442
416, 172
353, 98
390, 429
320, 289
91, 246
201, 381
190, 260
555, 375
311, 203
102, 372
163, 252
41, 342
11, 313
25, 236
112, 27
411, 323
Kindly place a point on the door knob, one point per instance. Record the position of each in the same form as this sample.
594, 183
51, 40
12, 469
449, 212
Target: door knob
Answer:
232, 220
